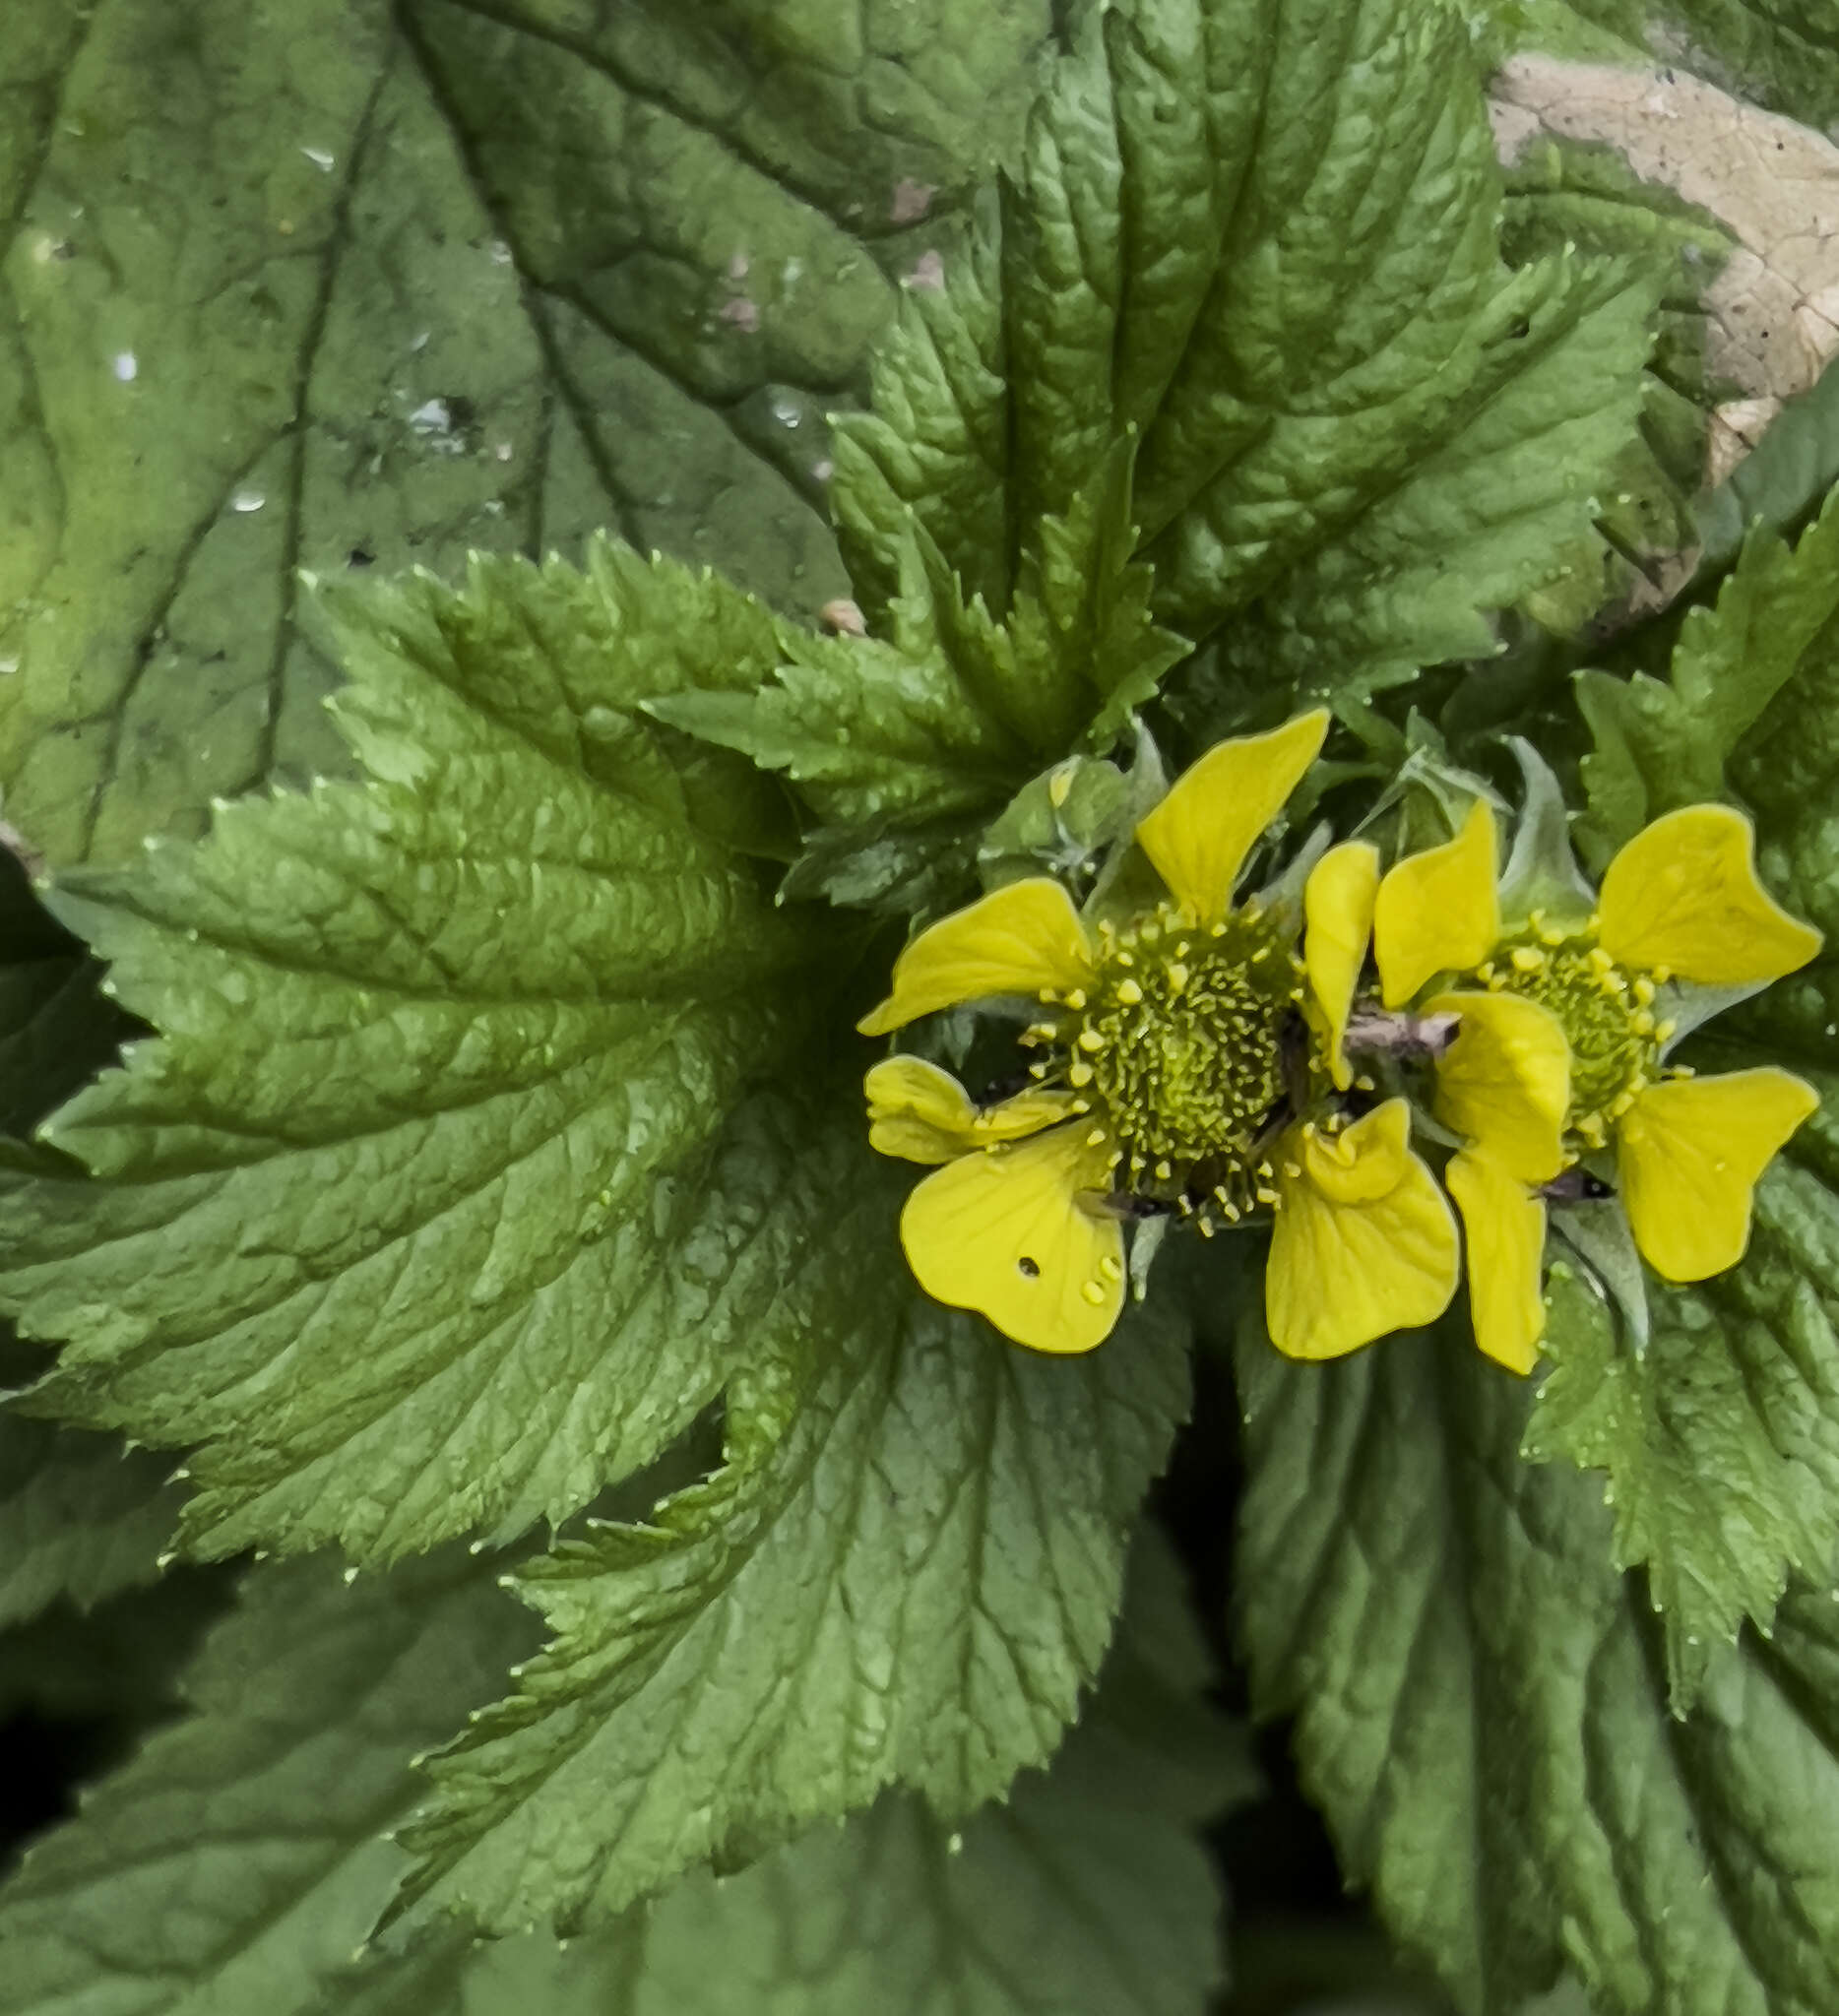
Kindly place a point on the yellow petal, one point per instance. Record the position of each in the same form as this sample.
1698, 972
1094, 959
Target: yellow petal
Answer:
1505, 1223
1505, 1082
1006, 1231
1684, 894
1363, 1241
1338, 913
1438, 911
1689, 1152
920, 1113
1023, 938
1200, 833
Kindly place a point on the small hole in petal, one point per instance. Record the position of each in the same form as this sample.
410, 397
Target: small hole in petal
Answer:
1031, 1269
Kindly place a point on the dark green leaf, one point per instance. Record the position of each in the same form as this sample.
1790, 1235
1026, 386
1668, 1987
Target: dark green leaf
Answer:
1482, 1704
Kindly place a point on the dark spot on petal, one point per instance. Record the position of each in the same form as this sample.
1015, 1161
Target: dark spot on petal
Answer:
1028, 1267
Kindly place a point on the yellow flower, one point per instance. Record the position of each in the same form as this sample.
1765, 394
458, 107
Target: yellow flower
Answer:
1188, 1064
1562, 1033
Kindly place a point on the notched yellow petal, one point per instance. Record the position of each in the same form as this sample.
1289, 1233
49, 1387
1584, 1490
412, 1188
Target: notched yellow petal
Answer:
920, 1113
1200, 833
1017, 941
1503, 1221
1505, 1082
1012, 1234
1684, 894
1438, 911
1338, 915
1689, 1152
1364, 1242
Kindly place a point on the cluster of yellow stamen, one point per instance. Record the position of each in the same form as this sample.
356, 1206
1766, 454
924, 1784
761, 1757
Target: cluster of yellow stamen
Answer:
1606, 1014
1178, 1054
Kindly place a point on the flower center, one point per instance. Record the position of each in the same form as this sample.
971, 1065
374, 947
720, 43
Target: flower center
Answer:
1606, 1014
1180, 1046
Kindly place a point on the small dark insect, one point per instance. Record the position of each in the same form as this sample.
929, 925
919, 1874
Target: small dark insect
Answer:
1577, 1186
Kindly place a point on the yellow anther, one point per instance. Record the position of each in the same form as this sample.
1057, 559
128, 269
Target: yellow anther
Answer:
1643, 990
1122, 959
1528, 958
1269, 1196
1661, 975
1293, 1169
1363, 1083
1041, 1071
1600, 959
1177, 977
1231, 1210
1549, 934
1093, 1291
1092, 1041
1048, 995
1060, 784
1641, 1022
1081, 1105
1619, 1104
1111, 1269
1129, 993
1485, 972
1186, 1206
1163, 1172
1097, 1136
1266, 1170
1206, 1226
1310, 1130
1114, 1159
1663, 1031
1078, 1073
1181, 948
1216, 930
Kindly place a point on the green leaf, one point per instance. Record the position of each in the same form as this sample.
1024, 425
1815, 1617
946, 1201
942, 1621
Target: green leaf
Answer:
903, 1574
1719, 1442
1088, 1889
953, 713
81, 1517
416, 1218
1265, 240
1661, 745
238, 1861
401, 282
1483, 1710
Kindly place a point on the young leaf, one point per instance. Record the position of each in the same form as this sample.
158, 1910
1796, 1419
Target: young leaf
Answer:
414, 1219
1264, 238
903, 1574
351, 283
1483, 1707
1663, 745
953, 713
81, 1517
1087, 1889
237, 1861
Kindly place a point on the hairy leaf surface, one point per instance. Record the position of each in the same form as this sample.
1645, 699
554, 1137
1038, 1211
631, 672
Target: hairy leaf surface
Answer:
415, 1217
1262, 238
903, 1574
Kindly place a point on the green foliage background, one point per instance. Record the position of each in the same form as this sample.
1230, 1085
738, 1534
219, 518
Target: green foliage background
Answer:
496, 1174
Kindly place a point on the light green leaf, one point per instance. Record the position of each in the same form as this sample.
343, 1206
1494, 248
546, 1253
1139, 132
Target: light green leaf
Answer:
81, 1517
1088, 1889
415, 1218
238, 1861
1661, 745
1265, 238
1482, 1706
900, 741
903, 1574
292, 282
